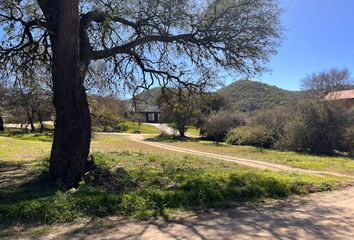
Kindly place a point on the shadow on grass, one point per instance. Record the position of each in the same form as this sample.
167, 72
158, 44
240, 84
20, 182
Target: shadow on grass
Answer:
172, 138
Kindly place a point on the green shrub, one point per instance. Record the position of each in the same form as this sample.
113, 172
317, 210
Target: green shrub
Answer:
273, 120
349, 140
216, 125
316, 127
121, 127
256, 136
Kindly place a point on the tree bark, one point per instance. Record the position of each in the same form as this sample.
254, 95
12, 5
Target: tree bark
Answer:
1, 124
72, 134
31, 122
182, 132
40, 119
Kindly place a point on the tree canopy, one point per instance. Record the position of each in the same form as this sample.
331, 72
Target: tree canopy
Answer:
131, 43
146, 42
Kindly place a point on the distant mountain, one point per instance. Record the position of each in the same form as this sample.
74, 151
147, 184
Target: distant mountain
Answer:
243, 95
147, 100
248, 96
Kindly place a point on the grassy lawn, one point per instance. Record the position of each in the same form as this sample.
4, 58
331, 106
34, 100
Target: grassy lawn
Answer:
144, 128
148, 182
111, 143
16, 150
301, 160
192, 131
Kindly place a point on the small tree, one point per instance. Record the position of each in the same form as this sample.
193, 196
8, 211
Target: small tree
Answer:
107, 111
273, 120
218, 124
179, 108
316, 127
138, 119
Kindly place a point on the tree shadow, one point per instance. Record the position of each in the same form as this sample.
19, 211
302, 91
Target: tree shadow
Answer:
172, 138
288, 219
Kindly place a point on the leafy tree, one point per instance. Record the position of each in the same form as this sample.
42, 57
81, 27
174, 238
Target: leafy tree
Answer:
316, 127
107, 111
138, 119
273, 120
179, 108
218, 124
152, 40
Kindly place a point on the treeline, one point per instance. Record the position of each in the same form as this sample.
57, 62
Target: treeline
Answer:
32, 108
26, 106
310, 124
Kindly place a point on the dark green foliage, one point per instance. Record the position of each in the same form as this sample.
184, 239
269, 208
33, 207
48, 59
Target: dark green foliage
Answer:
315, 127
349, 140
108, 113
257, 136
179, 108
249, 96
216, 125
273, 120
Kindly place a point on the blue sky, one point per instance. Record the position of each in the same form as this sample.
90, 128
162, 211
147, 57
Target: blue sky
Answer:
319, 34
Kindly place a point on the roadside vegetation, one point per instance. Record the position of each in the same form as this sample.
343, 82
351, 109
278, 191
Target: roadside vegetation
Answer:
334, 163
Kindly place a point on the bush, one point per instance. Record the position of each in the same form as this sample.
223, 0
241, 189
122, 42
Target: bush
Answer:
257, 136
116, 128
349, 140
216, 125
316, 127
273, 120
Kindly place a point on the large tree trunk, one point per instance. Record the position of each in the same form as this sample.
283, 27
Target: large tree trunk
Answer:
72, 134
1, 124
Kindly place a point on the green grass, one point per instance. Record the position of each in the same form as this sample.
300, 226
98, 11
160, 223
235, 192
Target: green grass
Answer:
144, 128
192, 131
155, 184
25, 135
340, 164
16, 150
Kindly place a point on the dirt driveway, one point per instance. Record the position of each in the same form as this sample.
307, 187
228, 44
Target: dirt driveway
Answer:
242, 161
318, 216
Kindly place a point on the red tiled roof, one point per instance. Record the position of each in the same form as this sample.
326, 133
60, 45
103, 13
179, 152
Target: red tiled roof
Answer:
348, 94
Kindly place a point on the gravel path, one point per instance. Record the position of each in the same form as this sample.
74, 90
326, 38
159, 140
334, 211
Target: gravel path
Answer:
243, 161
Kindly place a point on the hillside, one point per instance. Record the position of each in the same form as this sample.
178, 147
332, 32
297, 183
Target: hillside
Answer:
248, 96
244, 95
146, 100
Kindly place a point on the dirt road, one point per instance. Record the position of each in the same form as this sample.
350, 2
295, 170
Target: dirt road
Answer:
318, 216
243, 161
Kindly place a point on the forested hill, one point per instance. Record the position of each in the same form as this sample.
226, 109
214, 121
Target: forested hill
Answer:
244, 95
248, 96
